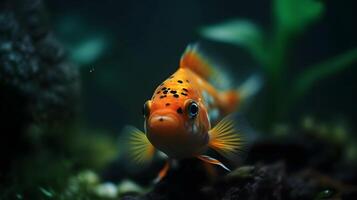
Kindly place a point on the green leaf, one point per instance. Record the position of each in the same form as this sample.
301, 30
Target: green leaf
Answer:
295, 15
238, 32
89, 50
320, 71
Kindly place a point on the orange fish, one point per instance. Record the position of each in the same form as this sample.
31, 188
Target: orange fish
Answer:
180, 114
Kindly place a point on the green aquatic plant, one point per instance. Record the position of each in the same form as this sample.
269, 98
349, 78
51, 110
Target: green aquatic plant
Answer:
271, 50
85, 45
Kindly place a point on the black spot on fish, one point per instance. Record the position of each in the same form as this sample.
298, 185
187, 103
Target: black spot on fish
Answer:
164, 88
184, 89
184, 94
176, 95
179, 110
158, 92
179, 81
173, 92
163, 96
168, 88
187, 81
165, 92
167, 104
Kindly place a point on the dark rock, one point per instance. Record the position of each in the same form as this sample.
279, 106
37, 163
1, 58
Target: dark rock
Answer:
191, 181
38, 86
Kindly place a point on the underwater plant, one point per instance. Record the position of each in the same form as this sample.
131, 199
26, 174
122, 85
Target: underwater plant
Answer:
271, 51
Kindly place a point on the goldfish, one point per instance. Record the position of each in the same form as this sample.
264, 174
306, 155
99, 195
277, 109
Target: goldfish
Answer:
187, 115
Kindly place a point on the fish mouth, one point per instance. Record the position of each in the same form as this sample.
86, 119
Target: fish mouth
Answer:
162, 122
164, 132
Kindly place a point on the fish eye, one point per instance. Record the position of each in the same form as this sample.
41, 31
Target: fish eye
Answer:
146, 108
192, 109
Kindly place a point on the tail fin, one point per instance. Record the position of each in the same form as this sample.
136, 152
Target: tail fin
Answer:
233, 99
250, 87
197, 62
194, 60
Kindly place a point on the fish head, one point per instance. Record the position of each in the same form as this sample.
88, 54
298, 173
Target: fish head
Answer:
177, 128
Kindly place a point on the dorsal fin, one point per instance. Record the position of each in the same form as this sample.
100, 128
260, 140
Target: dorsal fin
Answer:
195, 61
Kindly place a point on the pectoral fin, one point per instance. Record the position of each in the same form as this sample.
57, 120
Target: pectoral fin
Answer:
141, 150
224, 138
